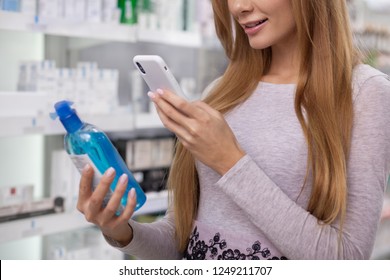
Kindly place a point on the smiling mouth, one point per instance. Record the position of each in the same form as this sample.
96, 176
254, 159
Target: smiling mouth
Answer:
254, 24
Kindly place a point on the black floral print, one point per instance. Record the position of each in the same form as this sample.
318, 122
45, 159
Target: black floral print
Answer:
218, 249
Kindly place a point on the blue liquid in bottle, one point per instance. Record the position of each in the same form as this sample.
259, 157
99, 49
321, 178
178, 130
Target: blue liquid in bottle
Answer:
86, 143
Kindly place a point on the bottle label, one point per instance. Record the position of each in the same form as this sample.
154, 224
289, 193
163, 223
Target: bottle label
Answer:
80, 161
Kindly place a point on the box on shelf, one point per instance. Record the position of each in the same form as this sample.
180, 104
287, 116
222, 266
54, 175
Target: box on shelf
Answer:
94, 90
74, 10
94, 11
17, 202
138, 154
49, 9
16, 104
149, 153
16, 195
110, 12
31, 209
28, 7
10, 5
64, 179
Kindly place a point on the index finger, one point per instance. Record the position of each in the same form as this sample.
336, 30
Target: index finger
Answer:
180, 103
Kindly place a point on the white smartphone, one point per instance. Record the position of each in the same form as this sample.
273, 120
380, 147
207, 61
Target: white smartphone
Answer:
156, 74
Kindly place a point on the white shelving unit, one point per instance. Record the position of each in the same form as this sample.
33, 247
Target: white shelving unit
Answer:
32, 117
26, 123
56, 223
182, 39
22, 125
108, 32
20, 22
147, 120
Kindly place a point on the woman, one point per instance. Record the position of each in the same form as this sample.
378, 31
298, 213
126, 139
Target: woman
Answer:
288, 156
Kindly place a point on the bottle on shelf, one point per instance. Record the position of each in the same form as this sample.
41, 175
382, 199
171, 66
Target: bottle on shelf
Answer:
128, 11
87, 144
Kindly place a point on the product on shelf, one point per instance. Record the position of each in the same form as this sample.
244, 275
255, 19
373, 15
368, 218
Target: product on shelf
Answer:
10, 5
64, 179
31, 209
128, 11
149, 153
16, 195
94, 90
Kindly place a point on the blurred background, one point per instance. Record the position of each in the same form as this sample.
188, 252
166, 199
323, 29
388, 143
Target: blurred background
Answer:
82, 50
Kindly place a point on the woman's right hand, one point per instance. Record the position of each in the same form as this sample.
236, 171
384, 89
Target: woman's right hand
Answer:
90, 204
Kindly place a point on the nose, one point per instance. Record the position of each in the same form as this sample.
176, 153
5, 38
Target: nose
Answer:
240, 7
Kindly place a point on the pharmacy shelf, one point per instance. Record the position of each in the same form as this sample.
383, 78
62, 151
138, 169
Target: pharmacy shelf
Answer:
381, 254
56, 223
156, 202
113, 32
25, 113
147, 121
101, 31
41, 225
382, 247
177, 38
44, 125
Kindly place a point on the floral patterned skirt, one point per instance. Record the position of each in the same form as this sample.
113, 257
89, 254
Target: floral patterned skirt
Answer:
206, 243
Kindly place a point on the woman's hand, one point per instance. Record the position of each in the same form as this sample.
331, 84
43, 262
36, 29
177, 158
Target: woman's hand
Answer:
90, 204
201, 129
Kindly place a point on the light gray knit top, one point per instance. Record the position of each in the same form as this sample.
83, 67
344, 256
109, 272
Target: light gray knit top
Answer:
256, 211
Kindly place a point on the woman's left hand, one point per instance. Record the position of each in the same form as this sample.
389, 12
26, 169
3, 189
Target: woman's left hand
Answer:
201, 129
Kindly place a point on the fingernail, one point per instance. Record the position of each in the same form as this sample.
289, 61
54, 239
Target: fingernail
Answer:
87, 168
151, 94
123, 179
132, 193
160, 91
109, 172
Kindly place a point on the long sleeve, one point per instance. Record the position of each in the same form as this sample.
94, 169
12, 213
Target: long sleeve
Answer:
153, 241
296, 232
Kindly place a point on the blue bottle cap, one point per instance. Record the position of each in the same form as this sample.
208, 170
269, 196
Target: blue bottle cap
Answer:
67, 116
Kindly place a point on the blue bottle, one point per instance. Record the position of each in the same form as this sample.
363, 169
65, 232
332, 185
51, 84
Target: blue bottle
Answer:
86, 143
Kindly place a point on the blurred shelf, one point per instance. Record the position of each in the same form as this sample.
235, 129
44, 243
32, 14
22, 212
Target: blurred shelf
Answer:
177, 38
110, 123
147, 121
156, 202
41, 225
381, 254
382, 241
44, 125
21, 22
55, 223
26, 113
100, 31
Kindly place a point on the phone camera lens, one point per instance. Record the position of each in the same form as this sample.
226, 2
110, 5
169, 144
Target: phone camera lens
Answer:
141, 68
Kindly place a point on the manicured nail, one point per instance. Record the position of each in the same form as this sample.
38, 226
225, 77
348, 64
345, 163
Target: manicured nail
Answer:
109, 172
87, 168
151, 94
160, 91
123, 179
132, 193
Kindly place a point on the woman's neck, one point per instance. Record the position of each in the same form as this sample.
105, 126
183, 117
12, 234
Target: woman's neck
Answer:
284, 67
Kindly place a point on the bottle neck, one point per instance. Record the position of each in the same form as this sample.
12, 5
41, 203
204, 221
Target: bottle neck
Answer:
72, 123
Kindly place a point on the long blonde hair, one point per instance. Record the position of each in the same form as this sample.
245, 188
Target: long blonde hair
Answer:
323, 105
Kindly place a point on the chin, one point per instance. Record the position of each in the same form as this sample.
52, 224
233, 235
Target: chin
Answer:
259, 43
259, 46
